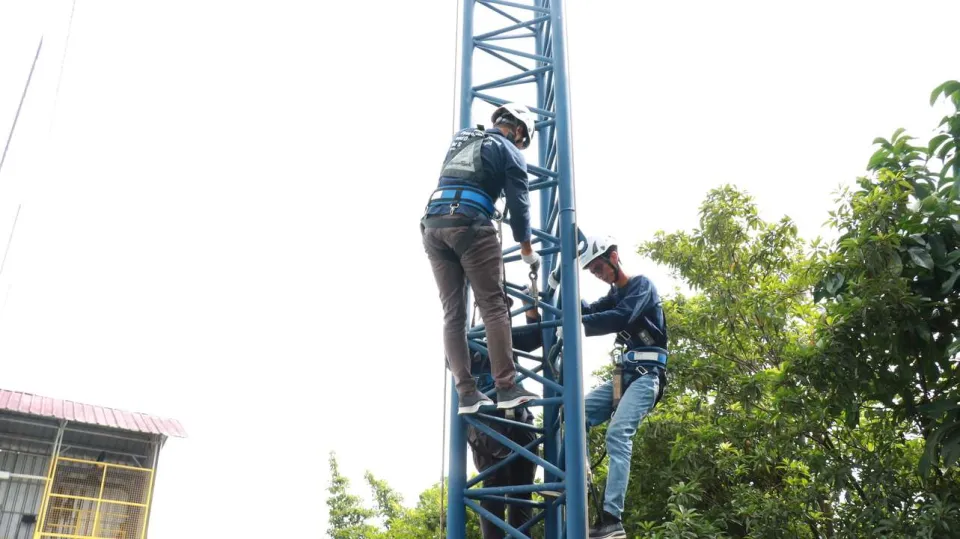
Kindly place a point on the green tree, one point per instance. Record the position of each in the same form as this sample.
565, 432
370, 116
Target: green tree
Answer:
389, 503
389, 519
891, 289
348, 517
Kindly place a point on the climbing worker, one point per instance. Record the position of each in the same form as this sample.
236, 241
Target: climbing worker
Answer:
631, 310
488, 452
461, 243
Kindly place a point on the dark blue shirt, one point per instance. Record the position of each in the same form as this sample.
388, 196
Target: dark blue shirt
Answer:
507, 173
612, 312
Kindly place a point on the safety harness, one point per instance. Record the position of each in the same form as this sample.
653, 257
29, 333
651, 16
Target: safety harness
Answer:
629, 366
463, 161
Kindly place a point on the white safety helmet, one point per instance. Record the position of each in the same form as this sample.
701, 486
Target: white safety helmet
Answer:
596, 246
521, 113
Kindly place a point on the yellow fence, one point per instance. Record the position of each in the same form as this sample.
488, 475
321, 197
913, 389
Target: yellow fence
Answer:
95, 500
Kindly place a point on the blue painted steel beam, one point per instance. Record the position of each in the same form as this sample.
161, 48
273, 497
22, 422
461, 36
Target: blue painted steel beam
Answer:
515, 52
537, 518
547, 251
511, 78
505, 462
517, 26
511, 36
512, 423
457, 478
493, 518
473, 334
500, 12
497, 101
518, 82
575, 442
539, 171
510, 501
503, 58
521, 353
534, 65
516, 489
536, 185
482, 427
544, 381
538, 9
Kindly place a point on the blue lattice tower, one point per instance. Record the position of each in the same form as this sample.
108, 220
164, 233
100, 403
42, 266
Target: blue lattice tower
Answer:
519, 49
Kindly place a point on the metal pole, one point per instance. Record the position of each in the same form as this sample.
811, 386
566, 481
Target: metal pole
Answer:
553, 523
10, 239
25, 477
20, 106
575, 444
51, 472
456, 509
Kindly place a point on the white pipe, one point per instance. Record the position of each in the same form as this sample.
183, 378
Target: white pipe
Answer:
9, 475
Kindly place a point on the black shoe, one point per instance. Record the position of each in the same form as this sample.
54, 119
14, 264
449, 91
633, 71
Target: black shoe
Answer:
609, 527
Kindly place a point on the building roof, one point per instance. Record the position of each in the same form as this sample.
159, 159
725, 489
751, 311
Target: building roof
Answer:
47, 407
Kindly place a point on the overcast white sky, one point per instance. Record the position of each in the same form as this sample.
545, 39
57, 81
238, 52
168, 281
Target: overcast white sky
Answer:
219, 223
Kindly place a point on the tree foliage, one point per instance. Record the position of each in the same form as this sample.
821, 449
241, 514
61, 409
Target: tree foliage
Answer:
891, 289
350, 518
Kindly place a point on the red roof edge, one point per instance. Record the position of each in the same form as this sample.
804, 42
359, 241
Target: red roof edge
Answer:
48, 407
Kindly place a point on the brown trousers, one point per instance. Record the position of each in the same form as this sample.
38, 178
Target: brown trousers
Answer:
480, 263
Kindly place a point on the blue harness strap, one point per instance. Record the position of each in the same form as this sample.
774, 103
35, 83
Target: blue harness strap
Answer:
453, 196
642, 361
645, 356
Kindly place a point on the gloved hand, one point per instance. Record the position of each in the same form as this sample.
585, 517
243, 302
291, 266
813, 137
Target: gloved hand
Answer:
554, 279
559, 333
526, 290
533, 259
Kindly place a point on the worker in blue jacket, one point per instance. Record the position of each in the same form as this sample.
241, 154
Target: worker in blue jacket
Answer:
461, 244
632, 311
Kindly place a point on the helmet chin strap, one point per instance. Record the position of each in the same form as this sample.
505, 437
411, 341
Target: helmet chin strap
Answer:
514, 129
616, 269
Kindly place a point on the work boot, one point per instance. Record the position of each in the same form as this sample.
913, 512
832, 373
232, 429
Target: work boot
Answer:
609, 527
513, 397
471, 401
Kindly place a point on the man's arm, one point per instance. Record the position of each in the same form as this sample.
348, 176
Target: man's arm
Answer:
602, 304
517, 194
528, 341
615, 319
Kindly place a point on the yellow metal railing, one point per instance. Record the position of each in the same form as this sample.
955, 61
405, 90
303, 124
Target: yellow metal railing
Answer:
95, 500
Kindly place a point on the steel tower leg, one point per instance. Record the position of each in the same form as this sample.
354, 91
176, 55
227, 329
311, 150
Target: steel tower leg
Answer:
456, 510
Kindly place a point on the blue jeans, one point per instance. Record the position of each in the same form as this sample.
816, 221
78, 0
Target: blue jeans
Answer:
635, 403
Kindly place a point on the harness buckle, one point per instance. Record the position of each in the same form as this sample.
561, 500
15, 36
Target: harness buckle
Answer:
616, 355
453, 207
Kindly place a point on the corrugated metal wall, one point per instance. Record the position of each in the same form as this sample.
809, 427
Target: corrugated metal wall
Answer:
20, 497
26, 445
